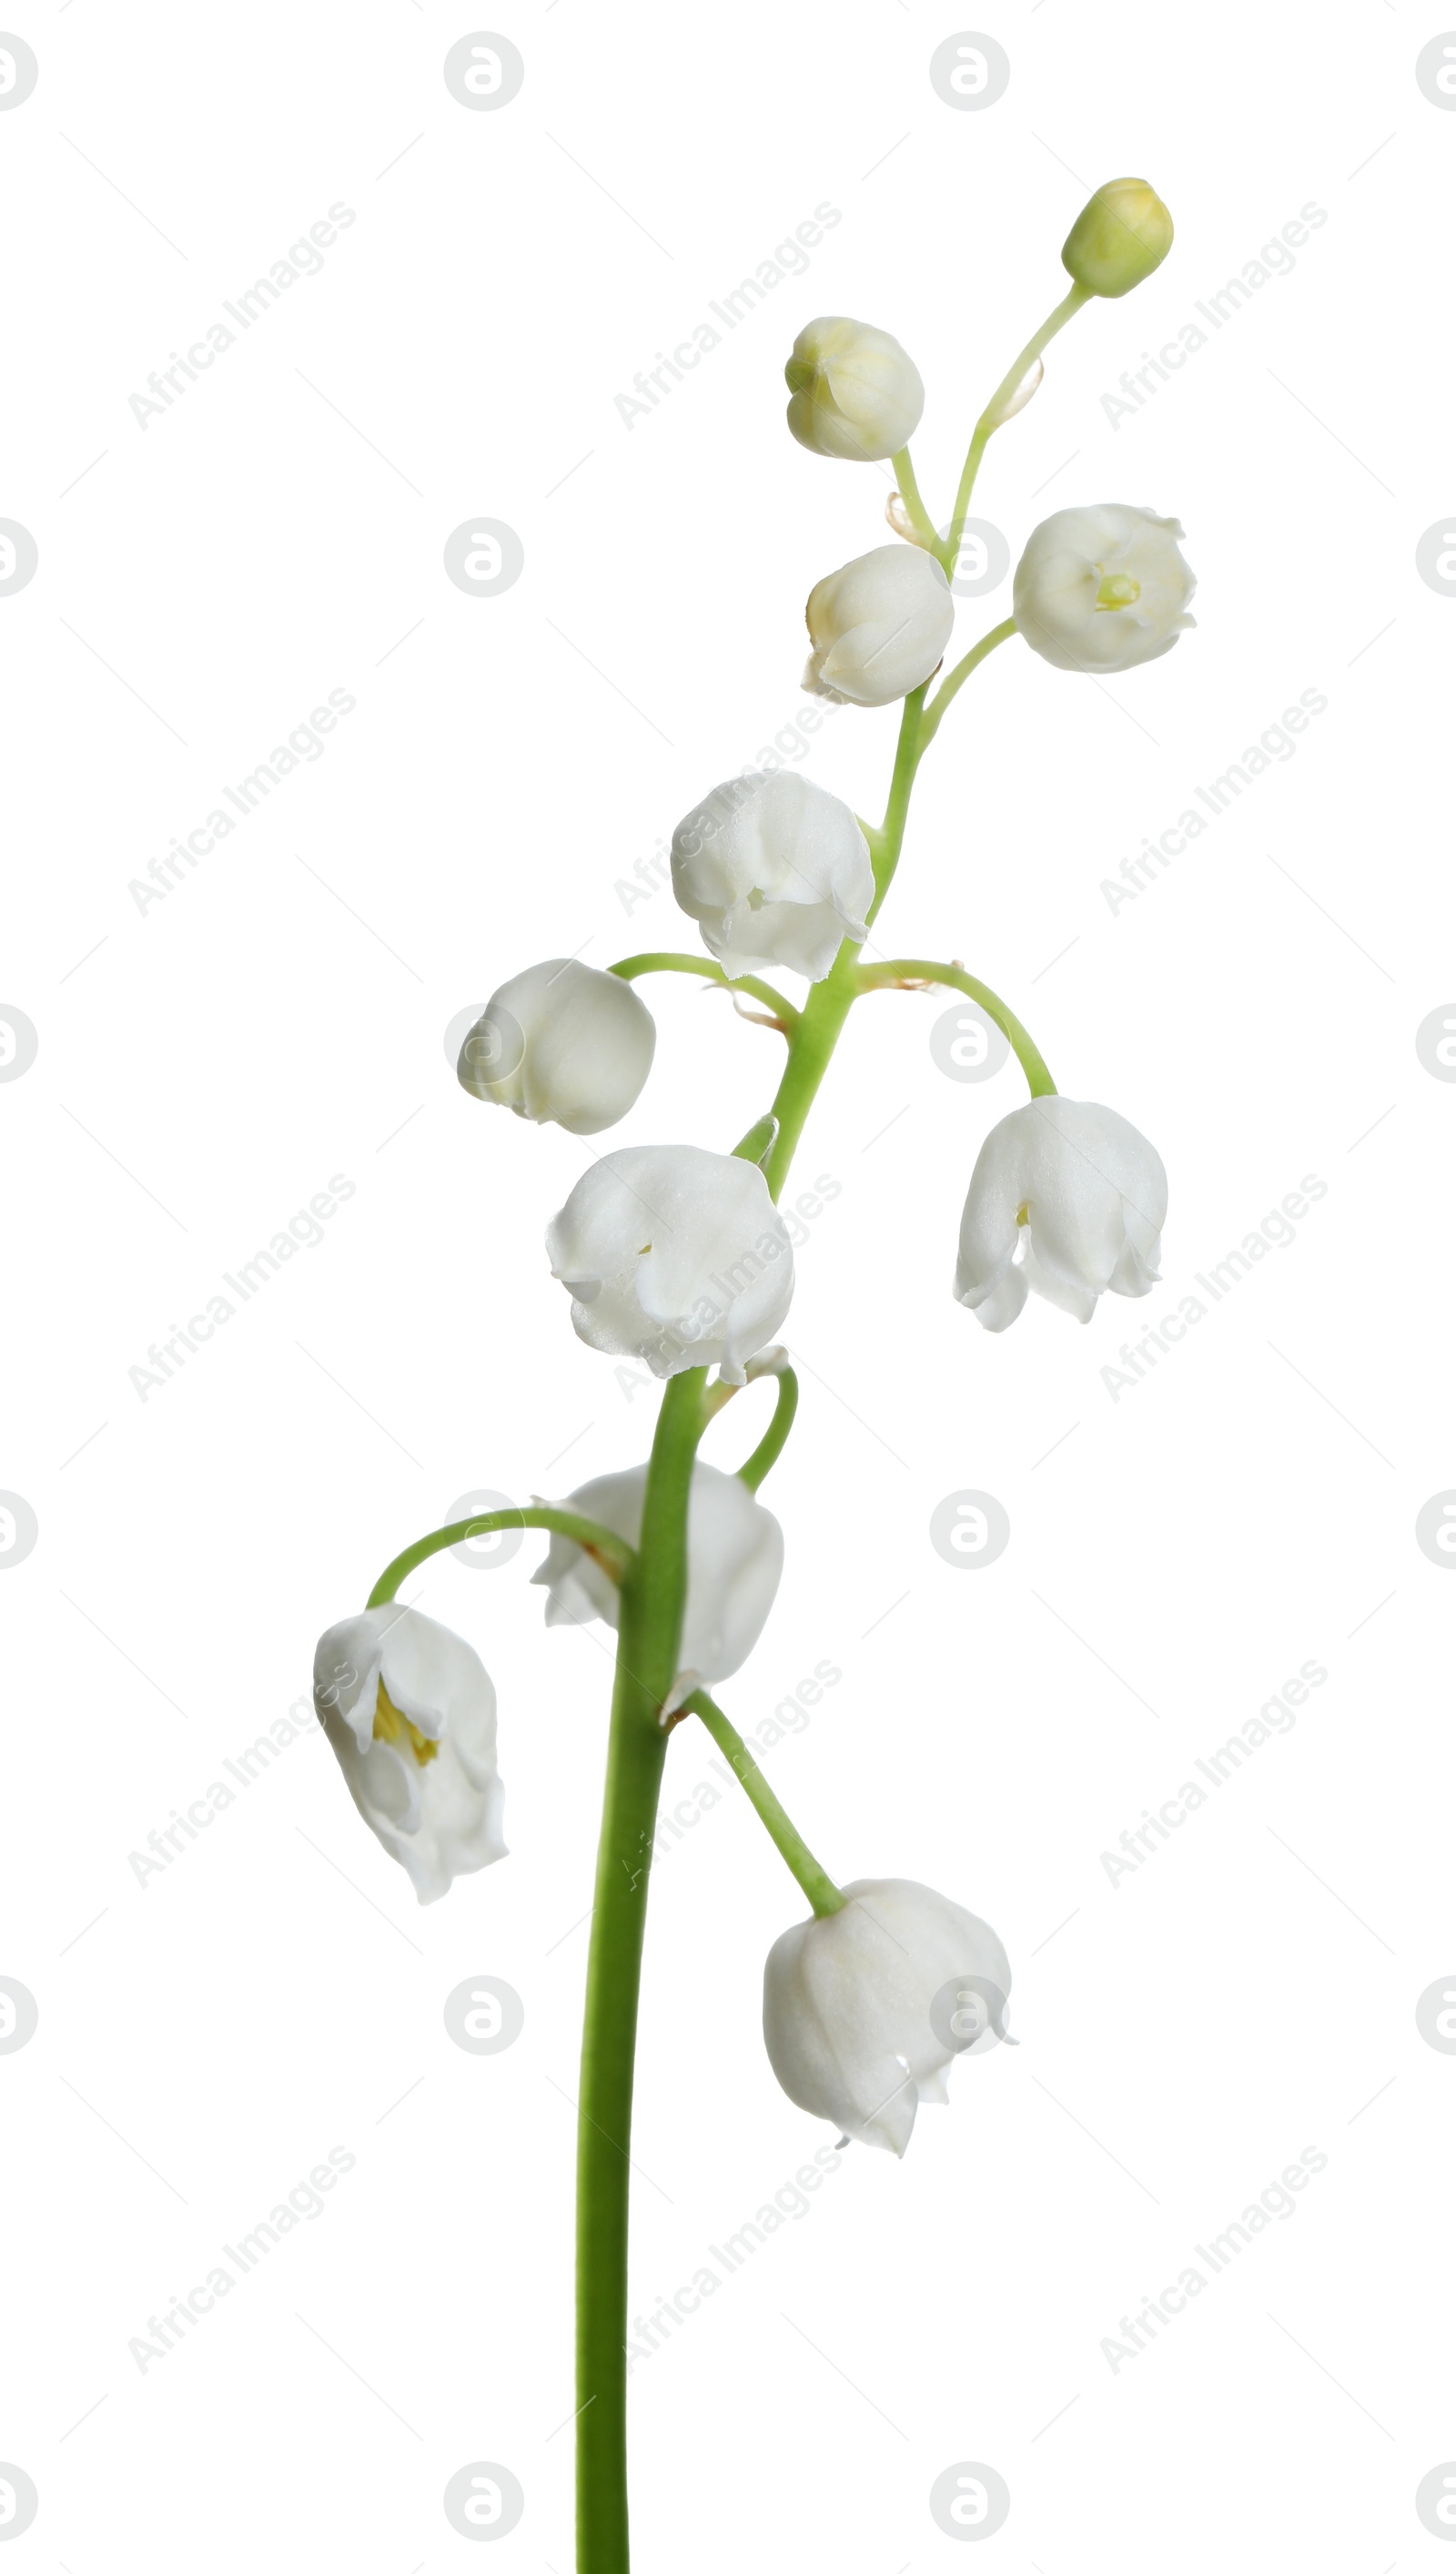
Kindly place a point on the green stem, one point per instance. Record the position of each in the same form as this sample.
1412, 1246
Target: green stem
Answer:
818, 1884
612, 1551
955, 680
667, 962
989, 422
651, 1614
767, 1454
902, 970
909, 492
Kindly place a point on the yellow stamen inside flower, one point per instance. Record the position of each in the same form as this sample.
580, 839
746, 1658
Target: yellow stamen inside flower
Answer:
1118, 590
1023, 1213
391, 1727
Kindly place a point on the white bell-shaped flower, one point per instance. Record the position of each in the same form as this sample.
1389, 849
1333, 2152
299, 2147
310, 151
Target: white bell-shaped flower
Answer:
561, 1043
735, 1559
865, 2008
776, 872
674, 1256
1103, 589
856, 392
879, 626
410, 1713
1067, 1198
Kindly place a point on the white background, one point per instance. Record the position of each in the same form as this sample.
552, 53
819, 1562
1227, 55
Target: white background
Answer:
206, 1064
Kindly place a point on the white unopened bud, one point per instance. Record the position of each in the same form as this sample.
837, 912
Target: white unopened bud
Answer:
879, 626
563, 1044
857, 395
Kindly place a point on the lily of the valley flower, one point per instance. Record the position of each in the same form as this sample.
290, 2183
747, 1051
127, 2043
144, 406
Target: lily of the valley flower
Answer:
776, 872
1103, 589
1121, 235
1067, 1198
563, 1044
735, 1559
674, 1256
879, 626
863, 2008
410, 1713
856, 392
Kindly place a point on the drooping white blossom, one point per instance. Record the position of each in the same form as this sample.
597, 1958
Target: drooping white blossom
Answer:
563, 1044
1067, 1198
857, 395
411, 1713
674, 1256
865, 2008
879, 626
776, 872
735, 1559
1103, 589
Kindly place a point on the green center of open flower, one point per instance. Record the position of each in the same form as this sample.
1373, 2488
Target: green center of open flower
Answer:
1118, 590
391, 1727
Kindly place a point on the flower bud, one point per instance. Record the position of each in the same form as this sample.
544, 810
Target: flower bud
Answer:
1067, 1198
1103, 589
674, 1256
866, 2008
1121, 235
564, 1044
410, 1713
856, 392
776, 872
734, 1561
879, 626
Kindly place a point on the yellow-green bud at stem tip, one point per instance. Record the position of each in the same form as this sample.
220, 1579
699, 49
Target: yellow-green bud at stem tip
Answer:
1121, 235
